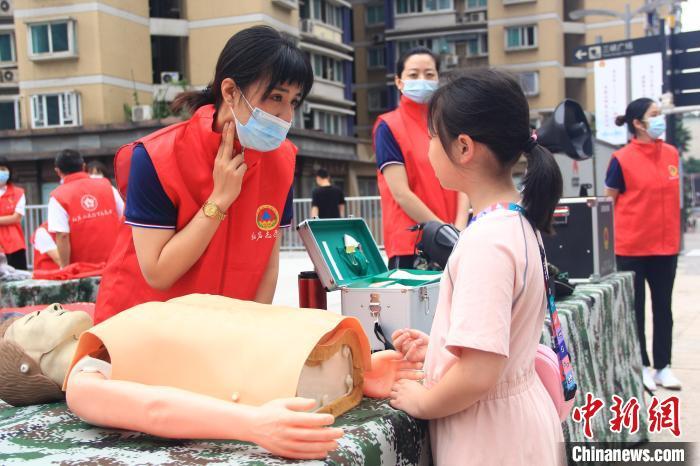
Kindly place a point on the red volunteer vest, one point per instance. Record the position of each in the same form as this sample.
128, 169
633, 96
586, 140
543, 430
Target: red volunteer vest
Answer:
42, 261
11, 236
647, 214
92, 216
409, 126
237, 256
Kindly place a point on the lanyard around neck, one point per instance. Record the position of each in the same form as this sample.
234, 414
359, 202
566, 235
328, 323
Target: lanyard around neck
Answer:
558, 343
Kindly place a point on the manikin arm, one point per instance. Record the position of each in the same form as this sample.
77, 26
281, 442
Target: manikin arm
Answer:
389, 367
280, 426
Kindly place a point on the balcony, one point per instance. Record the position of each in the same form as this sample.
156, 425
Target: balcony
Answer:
323, 33
327, 90
425, 20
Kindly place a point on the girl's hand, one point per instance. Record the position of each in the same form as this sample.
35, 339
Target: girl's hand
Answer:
413, 344
228, 171
409, 396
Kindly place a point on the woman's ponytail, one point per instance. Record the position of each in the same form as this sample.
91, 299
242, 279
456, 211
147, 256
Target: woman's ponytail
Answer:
542, 186
190, 101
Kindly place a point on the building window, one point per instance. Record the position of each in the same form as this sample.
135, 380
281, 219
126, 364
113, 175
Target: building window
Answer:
377, 100
9, 114
328, 68
375, 14
478, 46
375, 57
530, 82
7, 48
439, 45
330, 123
473, 4
327, 13
521, 37
52, 110
54, 39
420, 6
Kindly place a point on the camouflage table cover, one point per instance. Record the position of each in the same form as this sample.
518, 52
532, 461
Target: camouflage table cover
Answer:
375, 434
32, 292
599, 325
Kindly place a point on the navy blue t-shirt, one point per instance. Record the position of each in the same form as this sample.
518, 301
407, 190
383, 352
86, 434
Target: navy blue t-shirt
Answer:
386, 147
148, 206
614, 178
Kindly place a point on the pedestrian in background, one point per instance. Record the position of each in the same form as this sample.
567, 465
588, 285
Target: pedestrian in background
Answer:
327, 201
12, 209
643, 179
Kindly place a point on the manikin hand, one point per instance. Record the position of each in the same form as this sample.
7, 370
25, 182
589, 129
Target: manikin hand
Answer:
411, 343
284, 428
387, 368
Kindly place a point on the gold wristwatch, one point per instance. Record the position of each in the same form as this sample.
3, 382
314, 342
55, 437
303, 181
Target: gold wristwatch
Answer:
212, 210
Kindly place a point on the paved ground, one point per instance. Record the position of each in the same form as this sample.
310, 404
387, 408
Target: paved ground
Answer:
686, 345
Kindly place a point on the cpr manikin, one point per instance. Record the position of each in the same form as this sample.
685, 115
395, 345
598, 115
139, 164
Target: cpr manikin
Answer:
208, 367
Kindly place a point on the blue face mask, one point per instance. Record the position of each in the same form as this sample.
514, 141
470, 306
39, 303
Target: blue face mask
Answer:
4, 176
263, 132
419, 90
656, 126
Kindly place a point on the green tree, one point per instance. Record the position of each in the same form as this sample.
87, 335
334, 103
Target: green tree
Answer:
682, 135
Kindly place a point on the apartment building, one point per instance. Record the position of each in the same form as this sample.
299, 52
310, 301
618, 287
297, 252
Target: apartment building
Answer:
93, 75
534, 39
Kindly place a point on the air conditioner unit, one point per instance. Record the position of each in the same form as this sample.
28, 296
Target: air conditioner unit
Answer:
287, 4
450, 60
305, 108
9, 76
169, 77
307, 25
141, 113
5, 8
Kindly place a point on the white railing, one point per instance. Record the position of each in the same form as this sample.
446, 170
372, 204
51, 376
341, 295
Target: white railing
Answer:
368, 208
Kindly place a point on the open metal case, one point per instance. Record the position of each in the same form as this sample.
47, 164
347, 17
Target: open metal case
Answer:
393, 299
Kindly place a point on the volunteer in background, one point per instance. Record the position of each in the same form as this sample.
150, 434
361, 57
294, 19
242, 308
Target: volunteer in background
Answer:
83, 212
644, 181
12, 209
410, 192
207, 197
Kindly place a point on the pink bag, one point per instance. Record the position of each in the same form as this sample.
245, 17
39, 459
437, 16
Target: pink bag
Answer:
547, 367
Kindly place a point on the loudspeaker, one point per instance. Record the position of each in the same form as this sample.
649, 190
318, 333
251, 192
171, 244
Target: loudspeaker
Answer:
567, 131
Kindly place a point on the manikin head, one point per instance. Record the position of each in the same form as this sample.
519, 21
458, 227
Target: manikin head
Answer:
35, 353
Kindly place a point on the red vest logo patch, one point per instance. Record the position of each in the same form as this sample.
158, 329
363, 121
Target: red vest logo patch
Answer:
89, 202
267, 217
673, 171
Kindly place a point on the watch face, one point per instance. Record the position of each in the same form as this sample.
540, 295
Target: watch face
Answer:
209, 210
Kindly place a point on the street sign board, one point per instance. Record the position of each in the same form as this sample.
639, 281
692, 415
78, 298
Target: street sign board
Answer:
617, 49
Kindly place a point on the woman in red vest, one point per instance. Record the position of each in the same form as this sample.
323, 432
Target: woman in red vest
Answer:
205, 198
410, 191
643, 179
12, 209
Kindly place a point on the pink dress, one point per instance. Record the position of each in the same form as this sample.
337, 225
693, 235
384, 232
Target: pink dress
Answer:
497, 305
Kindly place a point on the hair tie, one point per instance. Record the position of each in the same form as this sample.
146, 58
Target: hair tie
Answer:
530, 144
207, 91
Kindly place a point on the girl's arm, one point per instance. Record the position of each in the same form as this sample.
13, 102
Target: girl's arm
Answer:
280, 426
397, 180
10, 219
465, 383
268, 283
164, 255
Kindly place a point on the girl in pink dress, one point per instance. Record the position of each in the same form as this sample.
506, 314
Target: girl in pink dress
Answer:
484, 400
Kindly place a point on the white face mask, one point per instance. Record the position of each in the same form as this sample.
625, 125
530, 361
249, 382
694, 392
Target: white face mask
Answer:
96, 176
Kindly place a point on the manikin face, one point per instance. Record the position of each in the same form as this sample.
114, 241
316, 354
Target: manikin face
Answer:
50, 337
